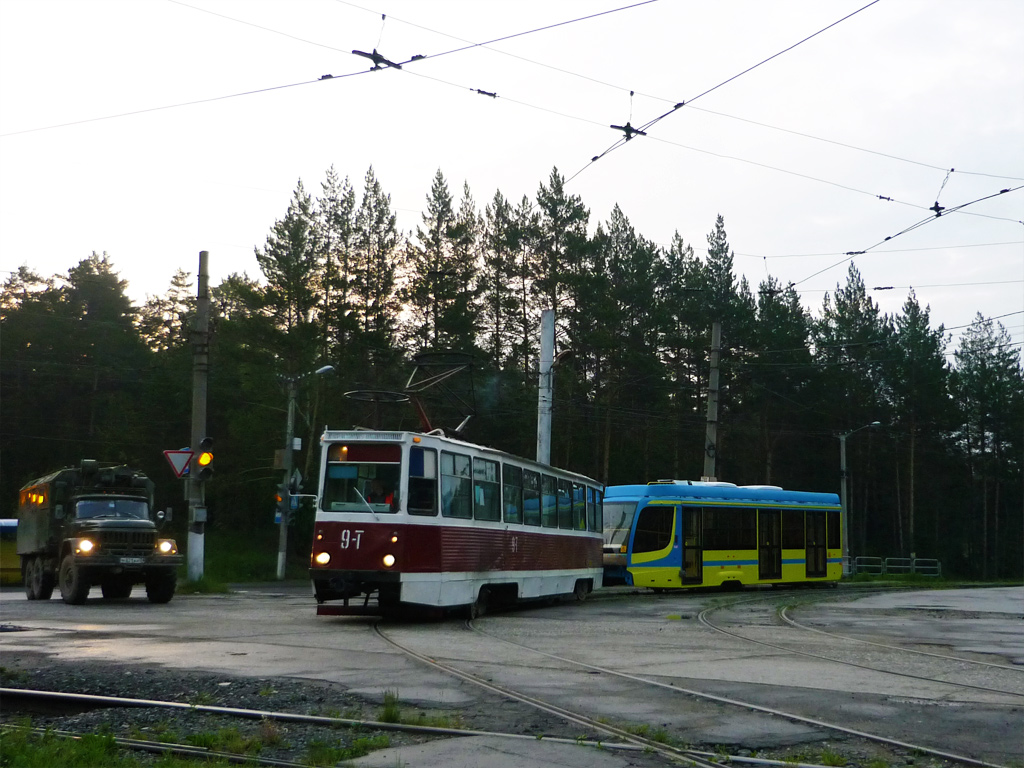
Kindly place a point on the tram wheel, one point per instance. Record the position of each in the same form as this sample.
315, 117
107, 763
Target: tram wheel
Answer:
582, 589
479, 606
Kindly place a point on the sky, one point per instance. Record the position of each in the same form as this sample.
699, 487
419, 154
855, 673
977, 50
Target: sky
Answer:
154, 129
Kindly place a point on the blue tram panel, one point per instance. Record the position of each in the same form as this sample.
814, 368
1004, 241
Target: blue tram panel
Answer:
677, 534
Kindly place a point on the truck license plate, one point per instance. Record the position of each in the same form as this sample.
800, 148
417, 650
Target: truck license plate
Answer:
132, 560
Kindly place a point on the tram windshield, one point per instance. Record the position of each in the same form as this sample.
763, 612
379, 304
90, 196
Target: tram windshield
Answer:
618, 520
362, 478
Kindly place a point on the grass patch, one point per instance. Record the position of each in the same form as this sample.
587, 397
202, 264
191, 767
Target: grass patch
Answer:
392, 712
323, 754
828, 757
27, 749
227, 740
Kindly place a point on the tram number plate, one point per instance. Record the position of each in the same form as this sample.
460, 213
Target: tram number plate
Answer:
132, 560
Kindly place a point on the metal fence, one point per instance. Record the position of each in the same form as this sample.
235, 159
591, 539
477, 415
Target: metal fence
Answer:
923, 566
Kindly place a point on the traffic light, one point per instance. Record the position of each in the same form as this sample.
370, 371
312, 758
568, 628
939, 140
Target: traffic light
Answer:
204, 459
283, 501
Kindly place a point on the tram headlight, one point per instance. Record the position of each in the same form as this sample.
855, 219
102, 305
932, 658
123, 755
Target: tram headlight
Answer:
322, 558
84, 547
389, 560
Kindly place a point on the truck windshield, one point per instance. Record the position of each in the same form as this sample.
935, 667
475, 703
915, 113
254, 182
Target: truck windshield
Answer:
122, 508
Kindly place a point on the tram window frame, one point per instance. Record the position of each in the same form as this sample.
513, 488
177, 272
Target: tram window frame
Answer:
593, 524
486, 490
579, 507
792, 529
563, 501
422, 481
833, 529
456, 485
730, 528
652, 531
531, 492
512, 493
548, 501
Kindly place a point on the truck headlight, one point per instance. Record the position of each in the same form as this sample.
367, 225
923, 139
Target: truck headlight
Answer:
166, 547
84, 547
322, 558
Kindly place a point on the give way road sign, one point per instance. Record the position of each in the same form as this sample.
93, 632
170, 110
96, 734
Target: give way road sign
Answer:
178, 460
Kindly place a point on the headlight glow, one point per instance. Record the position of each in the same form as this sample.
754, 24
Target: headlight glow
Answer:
85, 546
322, 558
394, 539
389, 560
166, 547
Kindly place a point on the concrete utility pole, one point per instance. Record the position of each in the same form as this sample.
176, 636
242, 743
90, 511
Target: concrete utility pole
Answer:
200, 377
289, 441
711, 441
544, 395
843, 491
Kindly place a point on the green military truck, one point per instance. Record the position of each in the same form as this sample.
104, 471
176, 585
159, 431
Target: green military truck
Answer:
88, 525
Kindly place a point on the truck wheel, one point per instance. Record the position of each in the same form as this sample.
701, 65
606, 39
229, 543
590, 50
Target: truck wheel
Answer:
116, 589
30, 575
160, 586
74, 586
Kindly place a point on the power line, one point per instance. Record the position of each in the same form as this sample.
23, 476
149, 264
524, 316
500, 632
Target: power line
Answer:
941, 212
681, 104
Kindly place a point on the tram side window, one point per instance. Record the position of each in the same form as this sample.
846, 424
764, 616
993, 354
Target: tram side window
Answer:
564, 502
548, 506
730, 528
792, 529
531, 497
579, 507
456, 486
834, 532
486, 490
512, 489
653, 529
593, 523
422, 481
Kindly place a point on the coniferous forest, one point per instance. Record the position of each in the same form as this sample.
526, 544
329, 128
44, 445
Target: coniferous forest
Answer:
85, 373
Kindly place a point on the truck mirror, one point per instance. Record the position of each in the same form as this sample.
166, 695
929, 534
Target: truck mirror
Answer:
164, 515
58, 512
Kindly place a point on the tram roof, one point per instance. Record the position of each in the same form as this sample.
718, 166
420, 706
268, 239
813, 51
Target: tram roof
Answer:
716, 492
361, 435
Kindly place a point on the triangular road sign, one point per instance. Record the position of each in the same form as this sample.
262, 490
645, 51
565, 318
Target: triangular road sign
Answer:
178, 460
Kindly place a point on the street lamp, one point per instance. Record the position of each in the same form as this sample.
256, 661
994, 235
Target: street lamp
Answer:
843, 491
289, 438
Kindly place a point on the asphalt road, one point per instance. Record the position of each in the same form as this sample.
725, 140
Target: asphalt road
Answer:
271, 630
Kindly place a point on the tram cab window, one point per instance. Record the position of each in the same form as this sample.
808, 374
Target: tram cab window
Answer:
792, 529
512, 488
564, 502
595, 510
531, 497
653, 529
456, 485
362, 478
422, 481
548, 507
486, 490
619, 520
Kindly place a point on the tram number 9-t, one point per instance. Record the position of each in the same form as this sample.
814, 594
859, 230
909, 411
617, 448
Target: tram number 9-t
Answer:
350, 539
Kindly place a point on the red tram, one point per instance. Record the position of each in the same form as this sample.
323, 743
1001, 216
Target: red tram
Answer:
409, 521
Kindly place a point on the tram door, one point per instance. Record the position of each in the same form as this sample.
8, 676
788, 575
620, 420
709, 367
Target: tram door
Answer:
769, 544
693, 550
817, 554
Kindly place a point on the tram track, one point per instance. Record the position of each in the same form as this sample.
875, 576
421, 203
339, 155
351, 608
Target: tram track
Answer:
688, 757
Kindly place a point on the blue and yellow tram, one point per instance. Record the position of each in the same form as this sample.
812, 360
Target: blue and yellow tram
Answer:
678, 533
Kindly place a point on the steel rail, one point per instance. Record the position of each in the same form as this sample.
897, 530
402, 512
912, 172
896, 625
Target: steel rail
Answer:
552, 709
798, 625
702, 617
757, 707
